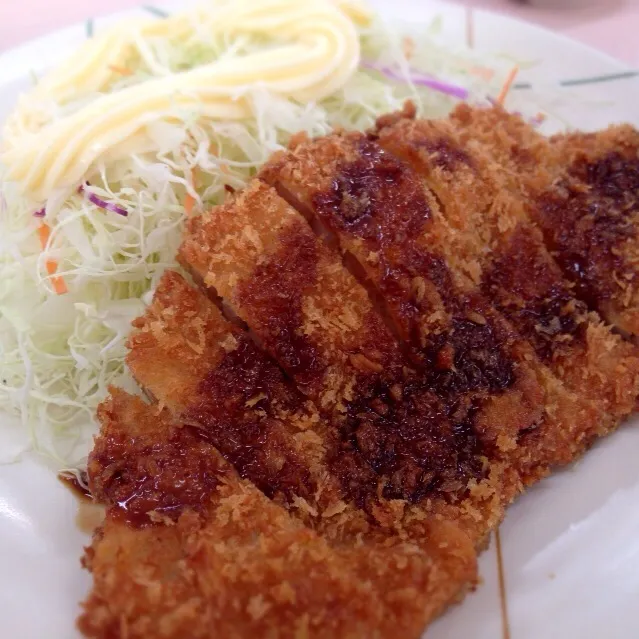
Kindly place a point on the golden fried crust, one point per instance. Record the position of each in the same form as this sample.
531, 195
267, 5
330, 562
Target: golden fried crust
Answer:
346, 498
505, 253
582, 191
188, 547
392, 436
299, 438
211, 375
262, 259
380, 212
177, 341
234, 563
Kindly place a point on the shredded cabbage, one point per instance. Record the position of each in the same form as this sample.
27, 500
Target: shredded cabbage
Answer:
60, 353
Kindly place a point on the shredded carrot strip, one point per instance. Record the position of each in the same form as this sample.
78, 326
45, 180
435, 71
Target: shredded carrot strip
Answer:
52, 267
506, 88
189, 203
58, 283
44, 232
121, 70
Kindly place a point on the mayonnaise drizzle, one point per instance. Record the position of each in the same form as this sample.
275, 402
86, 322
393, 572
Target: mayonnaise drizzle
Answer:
320, 54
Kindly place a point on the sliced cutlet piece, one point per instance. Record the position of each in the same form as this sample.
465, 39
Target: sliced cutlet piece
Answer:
394, 437
188, 548
382, 214
496, 244
210, 376
582, 190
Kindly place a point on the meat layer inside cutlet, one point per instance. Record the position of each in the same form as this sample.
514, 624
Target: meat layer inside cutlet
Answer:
394, 435
583, 192
235, 397
381, 213
504, 253
219, 556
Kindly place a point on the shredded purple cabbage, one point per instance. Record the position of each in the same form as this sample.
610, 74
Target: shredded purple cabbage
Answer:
103, 204
40, 213
419, 79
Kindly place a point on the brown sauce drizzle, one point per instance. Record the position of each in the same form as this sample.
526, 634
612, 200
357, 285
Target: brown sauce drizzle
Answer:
290, 270
528, 289
426, 442
403, 433
90, 514
445, 154
587, 226
79, 487
237, 415
380, 199
145, 480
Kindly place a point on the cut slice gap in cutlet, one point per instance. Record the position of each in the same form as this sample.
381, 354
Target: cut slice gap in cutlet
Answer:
511, 265
394, 436
187, 546
382, 213
415, 575
582, 190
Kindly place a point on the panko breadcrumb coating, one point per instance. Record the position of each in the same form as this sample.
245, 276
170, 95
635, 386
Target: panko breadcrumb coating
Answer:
390, 336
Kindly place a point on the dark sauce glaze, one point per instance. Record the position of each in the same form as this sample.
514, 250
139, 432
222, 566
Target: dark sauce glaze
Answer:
379, 199
79, 487
243, 400
237, 414
403, 433
587, 226
147, 479
281, 314
425, 443
528, 289
394, 439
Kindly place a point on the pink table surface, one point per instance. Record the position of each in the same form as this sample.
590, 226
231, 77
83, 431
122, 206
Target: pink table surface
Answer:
609, 25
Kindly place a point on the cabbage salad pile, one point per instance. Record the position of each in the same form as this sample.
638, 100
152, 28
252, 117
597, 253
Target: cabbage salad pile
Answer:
113, 239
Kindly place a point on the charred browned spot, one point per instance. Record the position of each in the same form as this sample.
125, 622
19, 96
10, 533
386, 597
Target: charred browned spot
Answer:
587, 227
276, 290
237, 415
409, 443
408, 112
479, 362
522, 157
612, 176
143, 483
526, 287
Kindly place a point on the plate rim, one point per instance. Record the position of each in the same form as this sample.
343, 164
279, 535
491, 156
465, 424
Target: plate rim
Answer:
12, 66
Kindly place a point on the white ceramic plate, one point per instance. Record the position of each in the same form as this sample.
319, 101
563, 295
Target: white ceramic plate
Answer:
570, 547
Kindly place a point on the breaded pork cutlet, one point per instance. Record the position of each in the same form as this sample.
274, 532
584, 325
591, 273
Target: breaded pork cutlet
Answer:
395, 434
503, 252
582, 190
231, 395
208, 373
383, 215
188, 549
